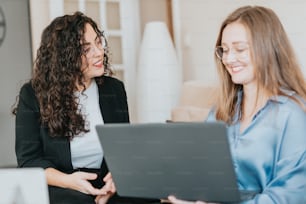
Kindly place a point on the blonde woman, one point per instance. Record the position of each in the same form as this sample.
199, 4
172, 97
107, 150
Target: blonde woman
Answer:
262, 100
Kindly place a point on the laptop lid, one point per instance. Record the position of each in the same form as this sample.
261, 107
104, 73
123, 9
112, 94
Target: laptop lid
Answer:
189, 160
23, 186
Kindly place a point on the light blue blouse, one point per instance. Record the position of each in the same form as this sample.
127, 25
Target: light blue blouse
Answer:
269, 156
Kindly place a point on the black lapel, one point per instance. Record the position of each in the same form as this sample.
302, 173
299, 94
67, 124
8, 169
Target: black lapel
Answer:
106, 101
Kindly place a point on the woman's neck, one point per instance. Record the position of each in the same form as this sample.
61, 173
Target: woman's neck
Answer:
86, 83
253, 100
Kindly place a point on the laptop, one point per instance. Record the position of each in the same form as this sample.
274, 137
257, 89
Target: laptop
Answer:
189, 160
23, 186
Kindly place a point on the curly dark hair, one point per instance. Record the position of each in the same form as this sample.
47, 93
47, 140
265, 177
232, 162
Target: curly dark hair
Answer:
57, 70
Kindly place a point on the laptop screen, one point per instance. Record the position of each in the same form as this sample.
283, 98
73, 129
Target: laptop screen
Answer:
189, 160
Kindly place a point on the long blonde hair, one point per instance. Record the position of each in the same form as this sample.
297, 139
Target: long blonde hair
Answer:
276, 66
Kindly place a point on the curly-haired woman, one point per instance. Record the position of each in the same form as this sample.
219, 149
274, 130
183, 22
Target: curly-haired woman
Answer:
70, 92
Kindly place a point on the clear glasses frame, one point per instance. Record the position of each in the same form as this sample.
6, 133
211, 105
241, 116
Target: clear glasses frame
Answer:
100, 44
240, 50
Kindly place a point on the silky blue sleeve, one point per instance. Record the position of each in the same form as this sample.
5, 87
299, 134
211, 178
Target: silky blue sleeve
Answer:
288, 185
271, 154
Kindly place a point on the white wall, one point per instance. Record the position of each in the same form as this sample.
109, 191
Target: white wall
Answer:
16, 63
199, 23
39, 20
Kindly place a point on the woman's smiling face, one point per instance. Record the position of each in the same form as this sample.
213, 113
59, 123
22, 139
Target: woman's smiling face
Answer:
236, 54
92, 59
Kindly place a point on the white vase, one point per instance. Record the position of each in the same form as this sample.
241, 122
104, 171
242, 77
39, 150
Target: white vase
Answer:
158, 75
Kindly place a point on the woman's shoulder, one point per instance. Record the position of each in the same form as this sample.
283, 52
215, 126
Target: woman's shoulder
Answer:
111, 85
27, 89
109, 82
111, 79
292, 101
27, 95
292, 107
211, 117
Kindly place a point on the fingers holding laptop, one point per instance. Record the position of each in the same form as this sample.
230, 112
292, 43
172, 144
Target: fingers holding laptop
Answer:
174, 200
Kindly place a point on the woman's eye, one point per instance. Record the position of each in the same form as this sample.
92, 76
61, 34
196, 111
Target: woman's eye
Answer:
240, 49
86, 50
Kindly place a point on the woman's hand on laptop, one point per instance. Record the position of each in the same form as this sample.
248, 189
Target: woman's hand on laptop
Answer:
174, 200
109, 189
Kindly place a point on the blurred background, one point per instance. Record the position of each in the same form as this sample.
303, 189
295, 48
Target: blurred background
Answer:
192, 25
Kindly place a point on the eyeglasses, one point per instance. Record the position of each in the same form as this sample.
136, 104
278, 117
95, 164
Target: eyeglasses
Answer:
89, 49
239, 49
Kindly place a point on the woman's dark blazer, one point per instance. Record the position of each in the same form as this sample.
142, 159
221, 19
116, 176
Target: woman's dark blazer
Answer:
35, 148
